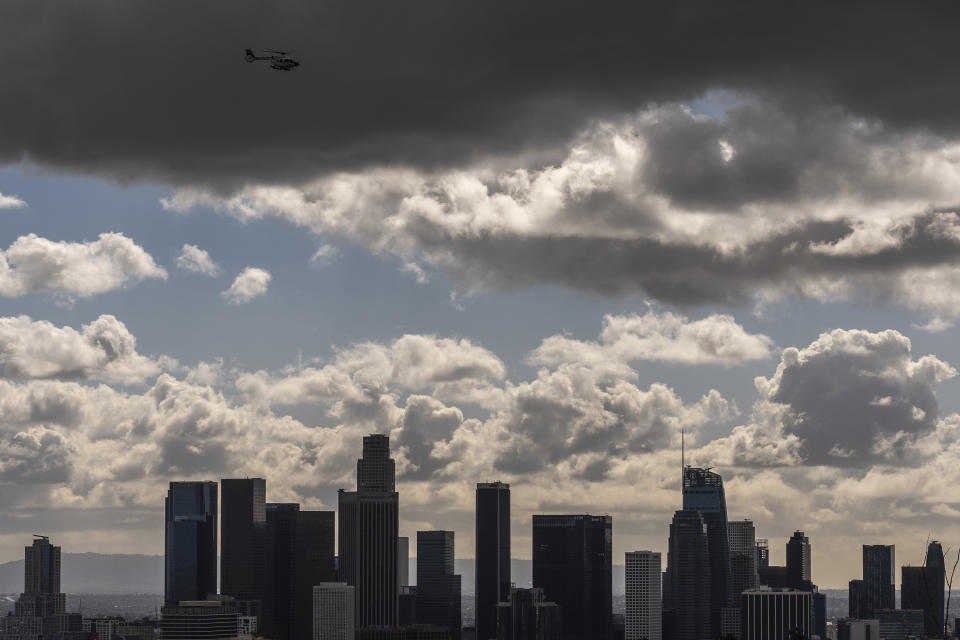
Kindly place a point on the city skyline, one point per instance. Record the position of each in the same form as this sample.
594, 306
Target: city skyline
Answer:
527, 244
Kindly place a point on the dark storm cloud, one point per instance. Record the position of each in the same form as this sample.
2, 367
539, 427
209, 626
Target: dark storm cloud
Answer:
160, 90
686, 274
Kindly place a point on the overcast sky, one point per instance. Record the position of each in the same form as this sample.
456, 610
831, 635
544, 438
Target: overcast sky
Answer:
532, 242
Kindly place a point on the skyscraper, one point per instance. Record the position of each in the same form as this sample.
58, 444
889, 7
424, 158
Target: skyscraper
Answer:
703, 492
300, 555
243, 537
642, 614
856, 600
332, 611
41, 595
368, 536
190, 557
572, 563
743, 557
879, 589
438, 588
527, 616
688, 568
922, 588
492, 554
403, 561
798, 562
771, 615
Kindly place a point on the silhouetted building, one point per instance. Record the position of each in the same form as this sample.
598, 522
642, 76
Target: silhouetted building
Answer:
849, 629
38, 613
403, 562
922, 588
703, 492
333, 611
190, 541
879, 589
492, 555
774, 576
772, 614
243, 517
798, 562
368, 536
199, 620
856, 600
528, 616
900, 624
743, 558
438, 588
299, 556
688, 566
407, 607
642, 615
820, 614
573, 564
41, 595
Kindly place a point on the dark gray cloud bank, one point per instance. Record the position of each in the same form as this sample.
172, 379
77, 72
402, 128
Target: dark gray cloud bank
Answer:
513, 145
160, 90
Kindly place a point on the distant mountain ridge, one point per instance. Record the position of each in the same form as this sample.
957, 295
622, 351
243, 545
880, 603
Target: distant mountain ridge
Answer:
102, 573
95, 573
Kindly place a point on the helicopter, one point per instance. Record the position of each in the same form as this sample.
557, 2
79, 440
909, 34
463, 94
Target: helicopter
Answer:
279, 60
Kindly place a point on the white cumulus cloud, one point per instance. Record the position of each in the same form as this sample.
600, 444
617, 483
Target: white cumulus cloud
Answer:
101, 350
667, 337
249, 284
196, 260
11, 202
35, 264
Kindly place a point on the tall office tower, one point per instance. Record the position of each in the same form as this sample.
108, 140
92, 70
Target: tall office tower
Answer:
492, 555
41, 595
368, 533
642, 614
527, 616
879, 589
190, 541
703, 492
299, 553
856, 601
375, 468
332, 611
243, 518
935, 574
743, 558
403, 562
772, 615
798, 562
922, 588
438, 588
763, 553
688, 565
573, 564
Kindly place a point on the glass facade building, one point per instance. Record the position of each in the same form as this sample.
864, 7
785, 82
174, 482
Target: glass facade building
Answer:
190, 544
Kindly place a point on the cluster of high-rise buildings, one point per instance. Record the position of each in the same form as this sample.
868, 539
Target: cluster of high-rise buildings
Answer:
288, 573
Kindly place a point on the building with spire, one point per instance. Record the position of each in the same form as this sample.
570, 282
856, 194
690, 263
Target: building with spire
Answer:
922, 588
703, 492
